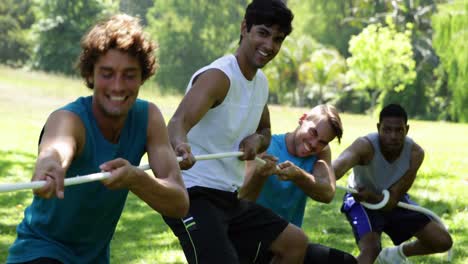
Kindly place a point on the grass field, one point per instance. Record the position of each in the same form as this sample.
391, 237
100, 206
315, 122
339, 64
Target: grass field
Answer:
27, 98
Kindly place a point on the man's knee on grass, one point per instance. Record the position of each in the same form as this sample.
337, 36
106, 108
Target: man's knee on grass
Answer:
290, 244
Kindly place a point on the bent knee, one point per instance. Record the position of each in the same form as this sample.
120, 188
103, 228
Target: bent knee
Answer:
443, 243
291, 242
369, 245
370, 250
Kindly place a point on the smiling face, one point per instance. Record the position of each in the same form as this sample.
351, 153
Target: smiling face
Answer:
261, 44
117, 79
311, 136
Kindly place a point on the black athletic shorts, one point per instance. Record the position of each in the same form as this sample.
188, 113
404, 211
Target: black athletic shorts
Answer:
42, 261
220, 228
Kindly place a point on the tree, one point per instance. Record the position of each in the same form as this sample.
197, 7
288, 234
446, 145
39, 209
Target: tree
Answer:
136, 8
283, 71
60, 29
381, 61
333, 23
326, 21
417, 96
450, 37
16, 18
192, 34
323, 74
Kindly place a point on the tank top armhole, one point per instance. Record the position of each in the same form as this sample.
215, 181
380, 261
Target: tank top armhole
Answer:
374, 150
195, 77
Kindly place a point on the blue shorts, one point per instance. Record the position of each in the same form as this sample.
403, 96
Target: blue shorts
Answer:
399, 224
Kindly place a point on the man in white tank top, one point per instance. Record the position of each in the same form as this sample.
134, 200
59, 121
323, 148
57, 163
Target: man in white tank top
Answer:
387, 160
225, 109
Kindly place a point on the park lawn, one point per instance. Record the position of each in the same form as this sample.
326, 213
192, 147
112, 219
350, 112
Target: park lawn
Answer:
27, 98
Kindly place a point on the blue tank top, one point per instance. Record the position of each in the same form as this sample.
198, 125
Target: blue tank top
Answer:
79, 228
284, 197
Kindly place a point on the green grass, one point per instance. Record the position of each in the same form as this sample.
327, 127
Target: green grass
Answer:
27, 98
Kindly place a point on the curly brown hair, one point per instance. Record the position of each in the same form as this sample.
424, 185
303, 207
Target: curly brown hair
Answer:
122, 32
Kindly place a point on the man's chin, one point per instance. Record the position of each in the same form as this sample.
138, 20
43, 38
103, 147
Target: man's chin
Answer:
394, 147
115, 112
261, 65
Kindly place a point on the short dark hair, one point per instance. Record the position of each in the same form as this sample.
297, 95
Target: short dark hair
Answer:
393, 110
269, 12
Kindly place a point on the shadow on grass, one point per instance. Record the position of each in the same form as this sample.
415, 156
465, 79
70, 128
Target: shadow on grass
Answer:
445, 187
11, 161
141, 233
14, 166
324, 224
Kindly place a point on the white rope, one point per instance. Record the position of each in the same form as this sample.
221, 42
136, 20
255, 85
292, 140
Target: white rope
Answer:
376, 206
9, 187
384, 201
400, 204
408, 206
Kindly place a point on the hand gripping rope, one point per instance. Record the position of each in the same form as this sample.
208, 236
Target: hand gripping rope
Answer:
9, 187
408, 206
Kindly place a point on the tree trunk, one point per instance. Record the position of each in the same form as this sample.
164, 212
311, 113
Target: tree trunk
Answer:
374, 97
300, 95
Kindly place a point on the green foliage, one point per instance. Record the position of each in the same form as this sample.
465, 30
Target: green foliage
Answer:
16, 17
324, 75
191, 34
139, 8
329, 22
417, 95
334, 22
283, 70
60, 29
382, 60
304, 72
451, 35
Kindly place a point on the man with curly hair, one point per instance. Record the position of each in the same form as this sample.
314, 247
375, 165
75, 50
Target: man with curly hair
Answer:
108, 131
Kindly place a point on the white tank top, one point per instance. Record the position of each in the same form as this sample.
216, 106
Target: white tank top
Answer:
379, 174
224, 126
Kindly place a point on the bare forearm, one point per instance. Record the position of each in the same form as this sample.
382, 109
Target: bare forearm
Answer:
165, 196
265, 139
252, 188
177, 132
319, 188
399, 189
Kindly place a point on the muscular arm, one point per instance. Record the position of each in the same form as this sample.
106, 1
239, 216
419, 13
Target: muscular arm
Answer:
320, 184
256, 175
165, 191
360, 152
63, 138
259, 141
401, 187
208, 90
